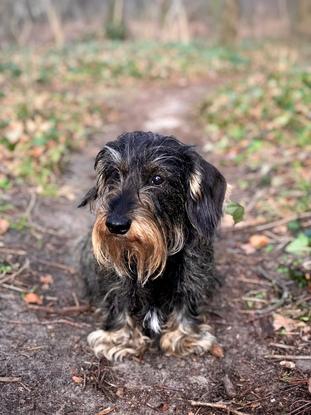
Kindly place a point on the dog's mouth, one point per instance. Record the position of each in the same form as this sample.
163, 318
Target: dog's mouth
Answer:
140, 253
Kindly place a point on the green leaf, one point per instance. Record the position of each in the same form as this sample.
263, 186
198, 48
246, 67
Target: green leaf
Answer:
5, 183
299, 246
4, 268
235, 210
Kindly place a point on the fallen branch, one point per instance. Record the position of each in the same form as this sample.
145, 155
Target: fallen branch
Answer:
218, 405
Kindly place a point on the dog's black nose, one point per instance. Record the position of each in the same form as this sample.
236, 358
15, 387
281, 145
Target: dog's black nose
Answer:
118, 224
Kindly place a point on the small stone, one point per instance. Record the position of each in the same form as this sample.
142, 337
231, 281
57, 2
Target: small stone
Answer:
288, 364
120, 392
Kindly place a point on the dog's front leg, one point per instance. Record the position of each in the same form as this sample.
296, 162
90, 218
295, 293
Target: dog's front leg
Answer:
184, 334
115, 343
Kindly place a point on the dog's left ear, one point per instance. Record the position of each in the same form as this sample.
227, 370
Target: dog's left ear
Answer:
90, 196
206, 193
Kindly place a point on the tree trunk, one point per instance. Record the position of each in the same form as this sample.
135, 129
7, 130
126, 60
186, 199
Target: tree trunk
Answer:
54, 22
174, 22
229, 22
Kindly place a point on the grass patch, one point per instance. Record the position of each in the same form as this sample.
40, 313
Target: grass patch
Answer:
262, 123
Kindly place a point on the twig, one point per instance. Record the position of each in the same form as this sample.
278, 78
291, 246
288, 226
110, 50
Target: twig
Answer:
105, 411
14, 251
47, 322
25, 386
270, 225
57, 265
76, 299
281, 301
9, 379
305, 215
282, 346
63, 311
18, 272
301, 409
43, 229
31, 205
287, 356
13, 288
218, 405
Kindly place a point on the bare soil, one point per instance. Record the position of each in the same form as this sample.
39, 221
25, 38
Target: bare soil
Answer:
45, 364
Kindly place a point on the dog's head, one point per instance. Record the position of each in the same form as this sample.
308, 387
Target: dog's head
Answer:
152, 192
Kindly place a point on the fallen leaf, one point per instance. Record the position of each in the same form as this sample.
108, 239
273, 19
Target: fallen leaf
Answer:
46, 280
33, 298
4, 226
105, 411
37, 152
248, 249
235, 210
286, 323
299, 246
309, 385
217, 351
77, 379
259, 241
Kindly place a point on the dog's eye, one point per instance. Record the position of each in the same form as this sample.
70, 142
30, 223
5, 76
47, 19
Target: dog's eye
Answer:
156, 180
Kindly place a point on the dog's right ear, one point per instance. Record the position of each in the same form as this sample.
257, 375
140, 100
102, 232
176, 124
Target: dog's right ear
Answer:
90, 196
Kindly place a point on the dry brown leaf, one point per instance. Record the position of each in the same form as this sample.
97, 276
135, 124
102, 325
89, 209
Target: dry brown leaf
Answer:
46, 279
33, 298
248, 249
77, 379
286, 323
217, 351
4, 226
259, 241
36, 152
105, 411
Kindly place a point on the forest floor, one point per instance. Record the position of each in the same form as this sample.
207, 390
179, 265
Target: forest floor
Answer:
46, 366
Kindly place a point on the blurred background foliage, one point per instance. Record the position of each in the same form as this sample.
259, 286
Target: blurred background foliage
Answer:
56, 56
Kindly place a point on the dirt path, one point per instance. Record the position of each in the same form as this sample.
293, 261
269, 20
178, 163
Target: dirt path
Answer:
44, 351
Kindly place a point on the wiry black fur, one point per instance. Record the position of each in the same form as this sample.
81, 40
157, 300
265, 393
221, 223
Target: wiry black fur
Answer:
189, 275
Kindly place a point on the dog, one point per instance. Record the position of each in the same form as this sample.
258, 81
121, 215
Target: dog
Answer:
148, 261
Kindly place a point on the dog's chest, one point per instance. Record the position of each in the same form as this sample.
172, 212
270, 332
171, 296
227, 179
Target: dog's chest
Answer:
153, 321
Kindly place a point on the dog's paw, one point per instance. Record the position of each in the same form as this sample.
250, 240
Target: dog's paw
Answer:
117, 344
185, 339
